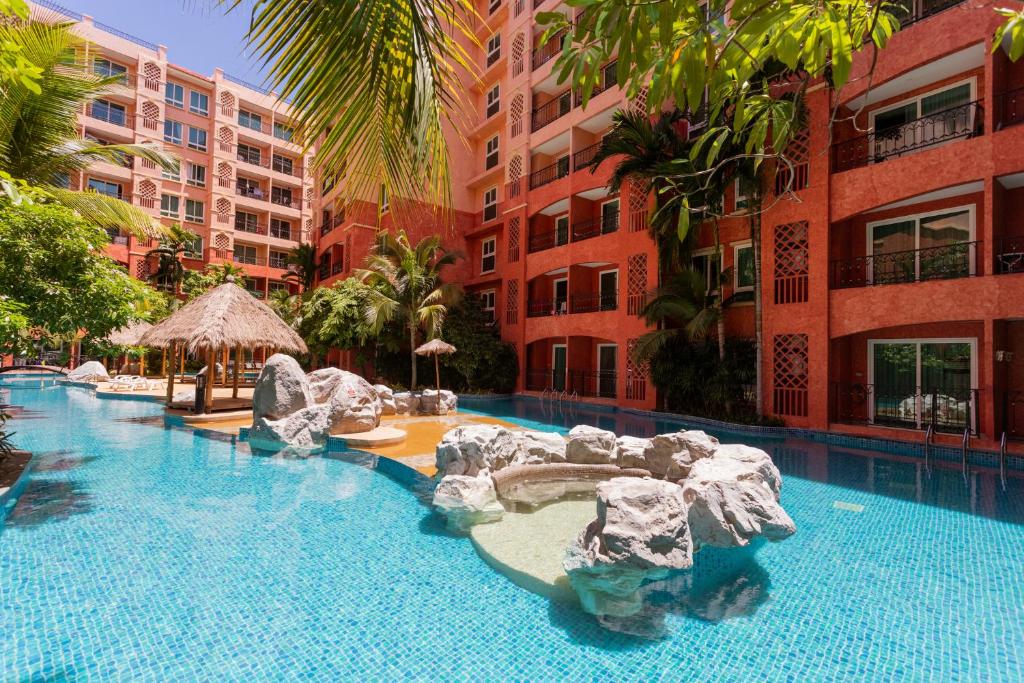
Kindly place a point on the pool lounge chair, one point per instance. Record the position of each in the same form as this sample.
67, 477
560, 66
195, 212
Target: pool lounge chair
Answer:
129, 382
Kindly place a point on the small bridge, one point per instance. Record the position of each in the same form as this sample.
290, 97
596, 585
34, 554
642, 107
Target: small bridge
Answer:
24, 368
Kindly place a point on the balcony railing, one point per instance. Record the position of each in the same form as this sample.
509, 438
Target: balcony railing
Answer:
253, 160
947, 262
1010, 255
251, 228
325, 228
324, 271
278, 262
337, 268
551, 111
546, 240
550, 174
109, 115
594, 227
592, 303
249, 260
286, 200
251, 192
922, 9
948, 409
281, 232
609, 79
585, 157
549, 50
963, 121
590, 383
117, 237
541, 308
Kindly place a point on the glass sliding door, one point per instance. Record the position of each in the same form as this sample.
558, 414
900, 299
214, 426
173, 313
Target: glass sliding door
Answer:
946, 386
559, 364
892, 251
932, 246
895, 384
945, 246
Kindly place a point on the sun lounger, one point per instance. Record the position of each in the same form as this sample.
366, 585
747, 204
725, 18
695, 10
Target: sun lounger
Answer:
129, 382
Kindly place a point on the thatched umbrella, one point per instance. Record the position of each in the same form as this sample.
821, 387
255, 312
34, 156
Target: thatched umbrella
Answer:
131, 335
226, 317
435, 347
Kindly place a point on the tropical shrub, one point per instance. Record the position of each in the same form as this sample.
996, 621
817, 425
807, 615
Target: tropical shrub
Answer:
482, 361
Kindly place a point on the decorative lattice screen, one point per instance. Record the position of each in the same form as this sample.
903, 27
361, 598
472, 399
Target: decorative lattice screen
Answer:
518, 48
636, 375
513, 239
791, 255
151, 74
516, 114
636, 283
794, 178
221, 241
637, 207
512, 303
150, 115
789, 374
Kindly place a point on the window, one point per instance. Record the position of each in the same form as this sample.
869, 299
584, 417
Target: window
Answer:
494, 49
492, 6
246, 222
493, 100
174, 95
280, 229
194, 211
249, 154
249, 120
198, 103
281, 196
926, 246
278, 259
194, 247
610, 216
946, 116
170, 205
105, 68
105, 187
743, 267
283, 164
283, 132
245, 253
277, 286
247, 187
384, 206
173, 175
109, 112
608, 289
197, 138
561, 230
196, 175
491, 160
739, 193
487, 302
490, 204
710, 268
487, 250
172, 132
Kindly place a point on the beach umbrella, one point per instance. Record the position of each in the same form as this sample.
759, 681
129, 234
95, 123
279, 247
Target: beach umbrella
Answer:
435, 347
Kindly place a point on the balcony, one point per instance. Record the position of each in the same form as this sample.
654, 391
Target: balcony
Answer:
963, 121
324, 271
117, 237
945, 262
609, 79
589, 383
595, 227
542, 308
594, 302
249, 260
285, 200
253, 160
251, 192
551, 111
278, 262
549, 50
325, 228
113, 115
944, 409
546, 240
250, 228
585, 157
337, 268
550, 174
922, 9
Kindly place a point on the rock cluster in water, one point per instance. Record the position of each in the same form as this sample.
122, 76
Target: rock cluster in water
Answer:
303, 410
682, 491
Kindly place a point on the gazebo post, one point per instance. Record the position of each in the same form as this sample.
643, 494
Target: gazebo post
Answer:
238, 361
142, 364
211, 371
225, 354
181, 361
163, 361
170, 375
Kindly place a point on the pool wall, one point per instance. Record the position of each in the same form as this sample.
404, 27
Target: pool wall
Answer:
9, 497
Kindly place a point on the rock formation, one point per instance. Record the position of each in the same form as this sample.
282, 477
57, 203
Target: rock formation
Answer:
590, 446
90, 371
282, 389
477, 449
466, 501
387, 399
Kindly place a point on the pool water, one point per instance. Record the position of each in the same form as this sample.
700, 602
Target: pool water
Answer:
145, 553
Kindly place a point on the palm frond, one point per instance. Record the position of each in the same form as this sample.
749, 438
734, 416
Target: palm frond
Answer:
109, 211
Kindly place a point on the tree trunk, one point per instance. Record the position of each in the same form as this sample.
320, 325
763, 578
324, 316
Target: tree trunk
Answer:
721, 295
412, 356
755, 242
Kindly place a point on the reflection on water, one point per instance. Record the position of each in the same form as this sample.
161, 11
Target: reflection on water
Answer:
60, 461
47, 500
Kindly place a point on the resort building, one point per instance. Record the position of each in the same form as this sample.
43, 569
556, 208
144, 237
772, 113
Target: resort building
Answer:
242, 188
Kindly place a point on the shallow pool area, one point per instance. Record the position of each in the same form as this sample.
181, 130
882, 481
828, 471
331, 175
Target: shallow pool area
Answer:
142, 552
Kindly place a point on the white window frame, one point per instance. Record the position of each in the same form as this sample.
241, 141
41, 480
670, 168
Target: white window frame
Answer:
178, 103
495, 152
171, 175
493, 99
200, 111
385, 202
191, 253
618, 214
490, 301
972, 341
972, 81
493, 49
280, 222
916, 217
710, 252
166, 213
250, 115
554, 298
176, 126
198, 146
600, 292
193, 218
597, 357
492, 254
283, 126
736, 248
191, 180
491, 192
274, 157
270, 257
740, 201
111, 70
119, 186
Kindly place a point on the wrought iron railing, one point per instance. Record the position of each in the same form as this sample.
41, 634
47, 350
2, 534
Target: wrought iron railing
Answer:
278, 262
550, 111
949, 409
922, 9
550, 174
1010, 255
594, 227
963, 121
285, 200
541, 308
249, 260
947, 262
283, 232
250, 191
594, 302
592, 383
251, 228
546, 240
337, 268
549, 50
584, 157
609, 79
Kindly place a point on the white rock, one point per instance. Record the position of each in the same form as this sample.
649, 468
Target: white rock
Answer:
430, 400
306, 428
730, 503
466, 501
475, 449
590, 446
282, 389
90, 371
449, 401
630, 451
387, 399
542, 447
672, 455
406, 403
322, 383
641, 533
184, 396
757, 460
354, 406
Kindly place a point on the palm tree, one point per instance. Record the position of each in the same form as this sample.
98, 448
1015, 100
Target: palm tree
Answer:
39, 139
303, 258
375, 82
406, 287
173, 245
288, 306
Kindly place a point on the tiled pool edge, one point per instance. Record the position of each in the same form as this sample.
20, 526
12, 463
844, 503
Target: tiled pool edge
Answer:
979, 457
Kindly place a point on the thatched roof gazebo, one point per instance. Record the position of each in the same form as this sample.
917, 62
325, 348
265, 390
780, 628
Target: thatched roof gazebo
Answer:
436, 347
129, 335
225, 318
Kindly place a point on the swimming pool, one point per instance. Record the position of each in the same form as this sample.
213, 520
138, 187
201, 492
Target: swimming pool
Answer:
148, 553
